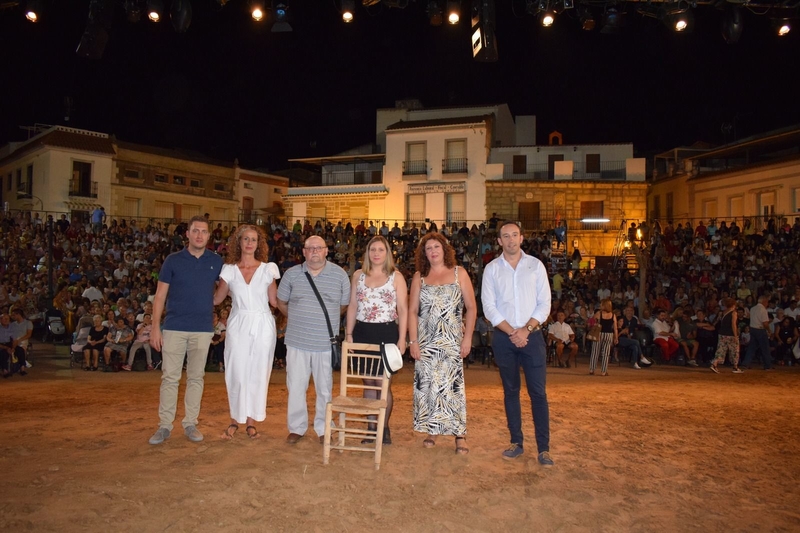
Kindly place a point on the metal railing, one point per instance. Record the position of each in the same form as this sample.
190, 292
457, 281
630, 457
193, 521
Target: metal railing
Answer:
454, 165
415, 217
75, 189
535, 171
608, 170
415, 167
352, 177
456, 216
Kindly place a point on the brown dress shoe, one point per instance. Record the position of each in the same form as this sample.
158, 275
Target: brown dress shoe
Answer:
293, 438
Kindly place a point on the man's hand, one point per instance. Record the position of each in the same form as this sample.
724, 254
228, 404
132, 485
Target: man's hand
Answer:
155, 338
519, 337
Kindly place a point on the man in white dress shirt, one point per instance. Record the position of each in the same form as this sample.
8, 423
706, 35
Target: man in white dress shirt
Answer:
516, 300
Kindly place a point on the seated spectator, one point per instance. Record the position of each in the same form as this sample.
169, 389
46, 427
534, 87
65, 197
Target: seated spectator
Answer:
142, 341
117, 340
786, 336
95, 344
560, 335
22, 330
626, 326
664, 336
8, 348
688, 336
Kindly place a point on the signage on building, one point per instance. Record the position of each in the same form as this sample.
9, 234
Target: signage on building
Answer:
425, 188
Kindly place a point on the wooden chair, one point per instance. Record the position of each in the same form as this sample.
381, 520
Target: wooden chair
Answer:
359, 362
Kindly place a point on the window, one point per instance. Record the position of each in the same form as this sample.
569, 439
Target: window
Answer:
29, 174
415, 207
195, 183
248, 185
456, 156
520, 164
132, 173
656, 212
131, 206
415, 162
593, 163
737, 207
456, 207
670, 200
160, 178
592, 211
81, 182
219, 187
164, 210
20, 183
276, 191
179, 180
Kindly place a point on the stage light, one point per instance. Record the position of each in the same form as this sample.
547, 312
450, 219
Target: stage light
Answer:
548, 17
281, 17
257, 10
95, 37
782, 27
681, 22
181, 15
133, 11
34, 10
587, 19
453, 12
612, 21
154, 10
348, 6
732, 24
435, 13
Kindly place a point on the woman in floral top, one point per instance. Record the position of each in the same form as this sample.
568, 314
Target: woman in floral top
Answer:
377, 310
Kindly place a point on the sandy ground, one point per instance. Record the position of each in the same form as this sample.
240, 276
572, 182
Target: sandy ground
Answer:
662, 449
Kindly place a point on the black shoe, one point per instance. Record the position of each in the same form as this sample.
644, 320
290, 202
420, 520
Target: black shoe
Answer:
387, 436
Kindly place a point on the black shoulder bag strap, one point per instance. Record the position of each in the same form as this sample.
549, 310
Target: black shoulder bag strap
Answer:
324, 309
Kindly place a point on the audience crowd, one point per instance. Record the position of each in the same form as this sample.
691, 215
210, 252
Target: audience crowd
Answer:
110, 270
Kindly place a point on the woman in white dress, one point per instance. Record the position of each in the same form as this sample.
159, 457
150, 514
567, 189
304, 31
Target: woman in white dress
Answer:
250, 338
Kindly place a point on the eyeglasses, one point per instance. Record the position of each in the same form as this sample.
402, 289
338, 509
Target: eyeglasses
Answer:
315, 249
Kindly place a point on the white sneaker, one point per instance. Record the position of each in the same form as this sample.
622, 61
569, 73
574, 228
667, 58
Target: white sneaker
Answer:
692, 362
645, 361
636, 366
28, 364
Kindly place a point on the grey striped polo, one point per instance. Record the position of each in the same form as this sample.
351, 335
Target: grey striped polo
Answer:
306, 328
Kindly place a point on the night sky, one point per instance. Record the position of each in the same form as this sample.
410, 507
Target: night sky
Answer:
230, 88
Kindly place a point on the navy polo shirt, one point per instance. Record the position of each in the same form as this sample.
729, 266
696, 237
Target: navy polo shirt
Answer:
190, 299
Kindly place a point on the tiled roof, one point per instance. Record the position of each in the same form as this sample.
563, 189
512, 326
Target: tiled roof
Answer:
188, 155
454, 121
65, 138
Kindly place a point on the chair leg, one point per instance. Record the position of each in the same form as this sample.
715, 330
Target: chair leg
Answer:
379, 438
342, 429
326, 449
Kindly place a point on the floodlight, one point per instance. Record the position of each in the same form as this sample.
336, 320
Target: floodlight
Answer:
348, 6
732, 24
782, 27
453, 12
281, 10
257, 10
154, 10
548, 17
34, 10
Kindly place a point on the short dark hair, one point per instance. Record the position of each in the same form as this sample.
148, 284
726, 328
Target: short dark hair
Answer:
508, 222
197, 218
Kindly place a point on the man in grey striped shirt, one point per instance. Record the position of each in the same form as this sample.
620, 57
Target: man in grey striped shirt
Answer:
308, 346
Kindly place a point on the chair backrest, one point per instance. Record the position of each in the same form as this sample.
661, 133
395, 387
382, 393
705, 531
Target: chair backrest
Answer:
360, 362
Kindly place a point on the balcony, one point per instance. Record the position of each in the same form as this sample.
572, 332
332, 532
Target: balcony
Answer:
456, 216
454, 165
85, 190
609, 170
415, 168
357, 176
537, 171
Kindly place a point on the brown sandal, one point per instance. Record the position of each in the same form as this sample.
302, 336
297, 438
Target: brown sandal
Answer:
254, 434
227, 434
461, 450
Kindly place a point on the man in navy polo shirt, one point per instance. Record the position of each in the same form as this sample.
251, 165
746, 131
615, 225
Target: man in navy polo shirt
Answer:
186, 285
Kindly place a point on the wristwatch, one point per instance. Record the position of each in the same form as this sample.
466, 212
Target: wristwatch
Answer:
531, 329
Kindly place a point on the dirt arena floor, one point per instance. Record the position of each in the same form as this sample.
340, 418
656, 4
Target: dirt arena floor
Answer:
662, 449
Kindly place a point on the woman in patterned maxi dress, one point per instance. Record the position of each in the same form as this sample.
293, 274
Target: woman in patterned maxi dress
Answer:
440, 337
251, 335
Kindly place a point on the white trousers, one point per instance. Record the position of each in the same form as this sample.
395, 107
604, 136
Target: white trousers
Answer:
300, 366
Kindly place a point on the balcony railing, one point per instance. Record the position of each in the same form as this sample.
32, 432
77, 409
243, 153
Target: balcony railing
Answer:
415, 167
609, 170
536, 171
75, 189
454, 165
352, 177
415, 217
456, 216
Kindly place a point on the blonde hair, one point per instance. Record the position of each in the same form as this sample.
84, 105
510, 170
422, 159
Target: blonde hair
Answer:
606, 305
388, 265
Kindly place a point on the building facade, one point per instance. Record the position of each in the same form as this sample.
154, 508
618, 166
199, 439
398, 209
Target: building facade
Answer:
753, 179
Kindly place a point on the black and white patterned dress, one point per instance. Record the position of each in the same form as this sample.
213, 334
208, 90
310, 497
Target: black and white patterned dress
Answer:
440, 404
